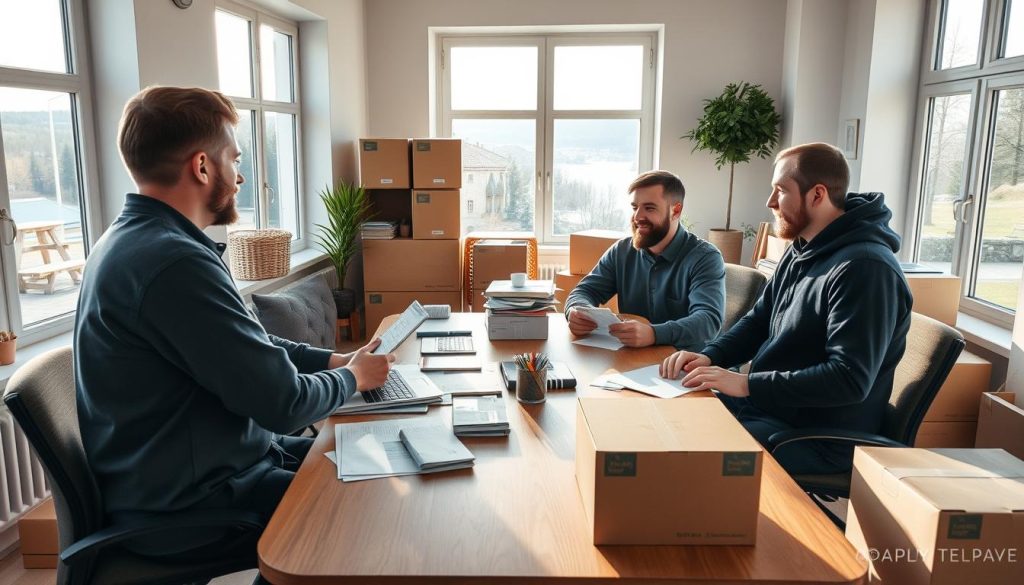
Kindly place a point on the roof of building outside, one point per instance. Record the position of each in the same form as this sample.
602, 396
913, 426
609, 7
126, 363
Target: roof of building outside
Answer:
478, 158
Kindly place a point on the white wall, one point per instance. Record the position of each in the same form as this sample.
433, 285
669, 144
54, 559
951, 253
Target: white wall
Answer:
706, 46
860, 23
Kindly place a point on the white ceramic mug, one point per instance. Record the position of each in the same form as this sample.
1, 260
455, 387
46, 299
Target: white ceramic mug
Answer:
518, 279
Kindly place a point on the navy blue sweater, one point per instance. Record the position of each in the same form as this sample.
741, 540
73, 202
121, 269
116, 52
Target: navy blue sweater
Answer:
179, 388
826, 335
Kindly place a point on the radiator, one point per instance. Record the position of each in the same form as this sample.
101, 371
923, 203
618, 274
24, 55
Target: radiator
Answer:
22, 481
548, 270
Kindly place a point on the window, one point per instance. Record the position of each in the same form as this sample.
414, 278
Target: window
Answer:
970, 145
257, 64
44, 164
558, 125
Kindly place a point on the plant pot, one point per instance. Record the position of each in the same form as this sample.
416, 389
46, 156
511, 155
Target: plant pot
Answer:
345, 299
728, 242
7, 352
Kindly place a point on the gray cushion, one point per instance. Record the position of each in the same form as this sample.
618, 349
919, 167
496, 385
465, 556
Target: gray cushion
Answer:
304, 313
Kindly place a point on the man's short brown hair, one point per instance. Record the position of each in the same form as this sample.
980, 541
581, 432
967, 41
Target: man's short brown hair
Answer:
671, 185
162, 126
819, 163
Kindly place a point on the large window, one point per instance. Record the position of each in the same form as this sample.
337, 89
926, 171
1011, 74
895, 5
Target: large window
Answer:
554, 128
257, 58
44, 164
970, 144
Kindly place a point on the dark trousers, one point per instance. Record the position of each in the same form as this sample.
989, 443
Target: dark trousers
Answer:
797, 458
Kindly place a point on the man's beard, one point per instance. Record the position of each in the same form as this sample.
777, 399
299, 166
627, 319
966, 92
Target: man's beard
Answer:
222, 201
789, 227
655, 234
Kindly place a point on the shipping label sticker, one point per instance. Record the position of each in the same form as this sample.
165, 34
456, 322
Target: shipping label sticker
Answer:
738, 463
620, 464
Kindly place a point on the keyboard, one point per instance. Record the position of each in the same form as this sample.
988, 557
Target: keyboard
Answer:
447, 344
394, 388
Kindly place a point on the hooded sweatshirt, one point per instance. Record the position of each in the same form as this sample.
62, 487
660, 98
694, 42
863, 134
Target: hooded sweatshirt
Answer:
831, 325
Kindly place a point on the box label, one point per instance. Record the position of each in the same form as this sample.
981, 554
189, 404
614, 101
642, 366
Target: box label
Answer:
437, 232
386, 181
965, 527
376, 299
738, 463
620, 464
423, 146
423, 198
438, 181
370, 146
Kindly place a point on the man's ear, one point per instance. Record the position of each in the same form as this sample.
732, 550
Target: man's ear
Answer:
819, 194
677, 209
199, 166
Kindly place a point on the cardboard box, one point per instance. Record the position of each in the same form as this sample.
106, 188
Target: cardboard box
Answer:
938, 517
436, 163
384, 163
960, 394
565, 281
936, 295
497, 259
516, 326
587, 247
435, 215
37, 535
656, 471
955, 434
1001, 422
404, 264
380, 304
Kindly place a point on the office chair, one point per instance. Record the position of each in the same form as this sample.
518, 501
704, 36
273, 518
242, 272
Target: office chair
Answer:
743, 286
41, 396
932, 349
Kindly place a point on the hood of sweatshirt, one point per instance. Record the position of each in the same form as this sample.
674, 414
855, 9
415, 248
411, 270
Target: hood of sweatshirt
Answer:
866, 220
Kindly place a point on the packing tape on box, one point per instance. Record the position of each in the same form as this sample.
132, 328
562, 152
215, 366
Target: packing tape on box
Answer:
894, 476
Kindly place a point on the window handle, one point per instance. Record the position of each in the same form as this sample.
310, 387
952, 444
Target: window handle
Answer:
4, 217
959, 208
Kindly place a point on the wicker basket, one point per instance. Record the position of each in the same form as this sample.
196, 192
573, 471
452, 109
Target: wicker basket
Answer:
259, 254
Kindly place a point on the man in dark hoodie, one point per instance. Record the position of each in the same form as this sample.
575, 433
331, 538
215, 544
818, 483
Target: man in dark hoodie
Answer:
826, 335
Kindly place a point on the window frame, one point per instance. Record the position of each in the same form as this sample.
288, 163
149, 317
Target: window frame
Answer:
989, 74
77, 84
545, 115
260, 107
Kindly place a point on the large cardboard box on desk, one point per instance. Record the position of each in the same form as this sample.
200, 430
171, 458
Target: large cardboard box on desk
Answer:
960, 394
435, 215
1001, 423
384, 163
436, 163
587, 247
380, 304
497, 259
936, 295
37, 535
938, 516
654, 471
404, 264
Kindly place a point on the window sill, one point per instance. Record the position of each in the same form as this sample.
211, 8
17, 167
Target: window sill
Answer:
994, 338
302, 262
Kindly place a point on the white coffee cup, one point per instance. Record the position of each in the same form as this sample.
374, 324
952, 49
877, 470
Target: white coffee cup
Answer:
518, 279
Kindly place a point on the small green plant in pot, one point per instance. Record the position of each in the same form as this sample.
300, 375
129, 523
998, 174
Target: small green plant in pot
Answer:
737, 124
347, 208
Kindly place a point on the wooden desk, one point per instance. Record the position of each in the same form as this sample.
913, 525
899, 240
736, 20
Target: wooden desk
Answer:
517, 515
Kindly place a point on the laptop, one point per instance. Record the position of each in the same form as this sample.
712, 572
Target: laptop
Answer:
459, 344
405, 384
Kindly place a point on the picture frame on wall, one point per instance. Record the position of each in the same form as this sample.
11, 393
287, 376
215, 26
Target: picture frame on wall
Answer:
851, 138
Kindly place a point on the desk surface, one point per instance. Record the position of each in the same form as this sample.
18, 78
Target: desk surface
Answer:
517, 515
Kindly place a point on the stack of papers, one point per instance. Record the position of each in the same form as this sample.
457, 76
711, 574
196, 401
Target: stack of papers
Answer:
370, 450
378, 230
435, 448
536, 297
646, 380
600, 337
479, 416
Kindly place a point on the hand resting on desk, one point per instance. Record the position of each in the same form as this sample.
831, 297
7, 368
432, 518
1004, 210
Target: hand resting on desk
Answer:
701, 375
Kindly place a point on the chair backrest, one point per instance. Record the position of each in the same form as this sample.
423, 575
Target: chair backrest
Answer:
932, 349
304, 312
41, 396
743, 286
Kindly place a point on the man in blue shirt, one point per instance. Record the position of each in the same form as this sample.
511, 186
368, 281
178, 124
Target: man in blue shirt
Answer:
663, 273
181, 393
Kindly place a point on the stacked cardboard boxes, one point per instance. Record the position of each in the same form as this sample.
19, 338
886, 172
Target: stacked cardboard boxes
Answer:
37, 533
952, 419
585, 249
414, 183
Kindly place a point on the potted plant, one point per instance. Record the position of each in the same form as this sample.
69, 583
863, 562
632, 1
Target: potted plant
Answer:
740, 122
8, 343
347, 208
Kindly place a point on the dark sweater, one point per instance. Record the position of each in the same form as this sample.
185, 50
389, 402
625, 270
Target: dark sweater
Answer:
826, 335
179, 388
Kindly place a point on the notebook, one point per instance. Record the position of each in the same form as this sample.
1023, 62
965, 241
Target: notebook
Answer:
559, 376
479, 416
435, 448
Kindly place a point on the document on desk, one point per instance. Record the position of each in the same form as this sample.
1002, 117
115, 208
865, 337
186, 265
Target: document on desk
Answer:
482, 383
600, 337
648, 381
369, 450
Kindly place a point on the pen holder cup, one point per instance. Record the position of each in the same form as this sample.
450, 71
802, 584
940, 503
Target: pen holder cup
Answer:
531, 387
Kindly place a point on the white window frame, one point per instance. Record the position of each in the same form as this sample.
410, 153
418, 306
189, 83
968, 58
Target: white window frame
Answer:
76, 83
981, 80
545, 114
261, 106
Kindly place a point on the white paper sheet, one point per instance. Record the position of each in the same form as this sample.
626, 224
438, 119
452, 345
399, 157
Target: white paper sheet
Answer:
648, 381
603, 316
374, 449
601, 341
